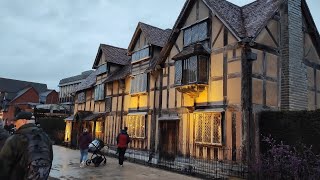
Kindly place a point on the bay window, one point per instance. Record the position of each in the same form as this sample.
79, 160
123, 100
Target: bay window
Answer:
192, 70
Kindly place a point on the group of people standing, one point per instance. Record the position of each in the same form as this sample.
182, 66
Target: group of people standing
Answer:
27, 153
85, 139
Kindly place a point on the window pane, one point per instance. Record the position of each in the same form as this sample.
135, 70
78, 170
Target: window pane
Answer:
195, 34
217, 129
203, 69
178, 72
143, 121
192, 69
202, 31
108, 104
207, 127
187, 36
198, 120
185, 72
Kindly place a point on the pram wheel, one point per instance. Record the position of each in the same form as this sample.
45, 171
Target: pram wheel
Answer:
88, 162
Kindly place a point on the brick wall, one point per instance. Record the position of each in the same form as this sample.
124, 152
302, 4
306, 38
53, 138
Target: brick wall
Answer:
30, 96
52, 98
294, 74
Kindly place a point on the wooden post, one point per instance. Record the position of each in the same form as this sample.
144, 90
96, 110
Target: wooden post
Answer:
246, 102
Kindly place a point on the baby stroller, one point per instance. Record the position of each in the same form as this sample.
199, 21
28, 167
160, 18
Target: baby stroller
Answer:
97, 157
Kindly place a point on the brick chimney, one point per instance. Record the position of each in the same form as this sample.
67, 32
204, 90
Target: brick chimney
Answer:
294, 84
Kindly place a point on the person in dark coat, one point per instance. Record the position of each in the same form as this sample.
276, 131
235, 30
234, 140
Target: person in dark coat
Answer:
19, 158
4, 134
84, 141
123, 140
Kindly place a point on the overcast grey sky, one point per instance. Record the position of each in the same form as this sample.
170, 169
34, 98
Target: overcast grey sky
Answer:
48, 40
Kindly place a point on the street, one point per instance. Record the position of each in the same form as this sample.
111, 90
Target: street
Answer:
66, 166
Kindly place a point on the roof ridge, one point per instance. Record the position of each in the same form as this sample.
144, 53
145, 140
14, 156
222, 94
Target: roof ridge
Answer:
22, 81
151, 26
101, 44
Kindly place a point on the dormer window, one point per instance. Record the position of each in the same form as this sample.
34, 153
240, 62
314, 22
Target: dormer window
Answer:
102, 69
195, 33
141, 54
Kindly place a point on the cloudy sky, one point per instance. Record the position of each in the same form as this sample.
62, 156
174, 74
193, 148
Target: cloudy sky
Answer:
48, 40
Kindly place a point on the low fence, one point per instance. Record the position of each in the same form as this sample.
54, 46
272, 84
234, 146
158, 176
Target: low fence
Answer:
204, 168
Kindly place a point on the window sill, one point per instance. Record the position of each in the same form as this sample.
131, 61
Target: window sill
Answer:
143, 59
138, 138
209, 144
191, 89
139, 93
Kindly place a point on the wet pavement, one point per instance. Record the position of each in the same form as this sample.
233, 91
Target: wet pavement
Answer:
66, 166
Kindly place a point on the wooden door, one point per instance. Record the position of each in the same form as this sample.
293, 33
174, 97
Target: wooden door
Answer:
168, 140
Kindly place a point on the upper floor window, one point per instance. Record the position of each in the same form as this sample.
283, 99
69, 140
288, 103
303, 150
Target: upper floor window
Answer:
141, 54
139, 83
108, 104
99, 92
102, 69
208, 128
81, 97
195, 33
192, 70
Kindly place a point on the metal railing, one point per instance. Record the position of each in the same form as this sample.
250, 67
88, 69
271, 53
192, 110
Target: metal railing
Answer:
221, 167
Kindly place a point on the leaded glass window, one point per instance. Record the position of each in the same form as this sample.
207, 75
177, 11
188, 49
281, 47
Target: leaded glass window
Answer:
81, 97
99, 92
192, 70
208, 127
141, 54
139, 83
195, 33
136, 126
108, 104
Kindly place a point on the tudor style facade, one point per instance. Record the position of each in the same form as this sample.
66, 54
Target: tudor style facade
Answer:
197, 90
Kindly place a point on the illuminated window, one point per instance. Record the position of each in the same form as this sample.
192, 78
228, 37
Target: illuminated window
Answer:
136, 126
208, 128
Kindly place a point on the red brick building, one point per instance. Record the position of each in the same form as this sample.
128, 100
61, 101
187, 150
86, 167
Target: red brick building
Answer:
24, 95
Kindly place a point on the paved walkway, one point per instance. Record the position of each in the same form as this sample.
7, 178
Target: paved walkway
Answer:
66, 166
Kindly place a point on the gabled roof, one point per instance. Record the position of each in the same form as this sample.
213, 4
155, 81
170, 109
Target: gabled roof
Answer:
80, 77
87, 83
119, 74
112, 54
13, 86
243, 22
154, 35
21, 92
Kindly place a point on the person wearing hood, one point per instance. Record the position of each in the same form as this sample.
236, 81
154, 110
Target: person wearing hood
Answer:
84, 141
3, 134
123, 140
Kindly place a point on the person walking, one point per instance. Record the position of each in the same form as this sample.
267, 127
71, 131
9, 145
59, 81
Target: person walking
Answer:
4, 134
123, 140
27, 154
84, 141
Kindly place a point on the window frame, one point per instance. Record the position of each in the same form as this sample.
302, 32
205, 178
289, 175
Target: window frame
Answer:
213, 126
184, 67
81, 97
133, 122
99, 94
196, 24
139, 51
136, 87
